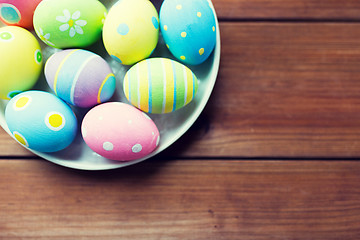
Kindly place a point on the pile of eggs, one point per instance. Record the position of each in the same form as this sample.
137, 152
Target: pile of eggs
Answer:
79, 78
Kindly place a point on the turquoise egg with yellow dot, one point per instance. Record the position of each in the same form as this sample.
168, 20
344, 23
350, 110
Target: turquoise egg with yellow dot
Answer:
41, 121
131, 31
189, 29
21, 61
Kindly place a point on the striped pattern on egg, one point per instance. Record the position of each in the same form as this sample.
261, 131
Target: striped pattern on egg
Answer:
80, 77
159, 85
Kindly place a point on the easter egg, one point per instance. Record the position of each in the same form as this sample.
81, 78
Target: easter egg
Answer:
80, 77
18, 12
131, 31
188, 28
68, 23
119, 131
41, 121
20, 62
159, 85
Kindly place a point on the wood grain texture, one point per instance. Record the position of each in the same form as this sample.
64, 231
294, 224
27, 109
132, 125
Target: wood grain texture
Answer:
283, 90
288, 9
288, 87
182, 200
281, 9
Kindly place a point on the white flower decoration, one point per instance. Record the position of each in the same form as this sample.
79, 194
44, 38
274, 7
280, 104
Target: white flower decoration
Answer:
71, 22
45, 37
103, 20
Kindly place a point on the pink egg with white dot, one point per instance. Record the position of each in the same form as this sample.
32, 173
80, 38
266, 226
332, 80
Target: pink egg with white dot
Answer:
119, 131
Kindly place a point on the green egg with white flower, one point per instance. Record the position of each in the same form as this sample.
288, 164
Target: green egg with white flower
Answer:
69, 23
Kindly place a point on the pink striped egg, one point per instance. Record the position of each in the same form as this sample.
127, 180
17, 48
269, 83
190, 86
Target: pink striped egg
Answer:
119, 131
80, 77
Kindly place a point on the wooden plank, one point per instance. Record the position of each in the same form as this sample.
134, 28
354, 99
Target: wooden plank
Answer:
284, 9
9, 147
283, 90
179, 199
289, 10
281, 9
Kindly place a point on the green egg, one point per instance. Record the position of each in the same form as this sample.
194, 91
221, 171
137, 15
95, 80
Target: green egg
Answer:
68, 23
159, 85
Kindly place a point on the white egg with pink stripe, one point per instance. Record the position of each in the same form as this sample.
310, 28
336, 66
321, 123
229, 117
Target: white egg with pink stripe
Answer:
80, 77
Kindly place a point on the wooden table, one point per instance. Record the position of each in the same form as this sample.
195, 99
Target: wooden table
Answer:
274, 155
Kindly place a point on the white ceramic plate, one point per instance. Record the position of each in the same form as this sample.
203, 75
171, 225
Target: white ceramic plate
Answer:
171, 125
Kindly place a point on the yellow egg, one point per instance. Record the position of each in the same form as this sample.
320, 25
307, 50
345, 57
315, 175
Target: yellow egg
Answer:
20, 62
131, 31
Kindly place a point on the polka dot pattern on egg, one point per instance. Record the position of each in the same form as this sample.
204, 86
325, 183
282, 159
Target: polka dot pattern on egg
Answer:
123, 29
116, 58
6, 36
22, 103
20, 138
38, 56
136, 148
124, 133
55, 121
188, 28
9, 13
155, 22
201, 51
131, 31
158, 141
41, 121
22, 61
108, 146
13, 93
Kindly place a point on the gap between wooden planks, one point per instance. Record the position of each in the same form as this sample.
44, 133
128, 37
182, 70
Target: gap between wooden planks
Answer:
194, 199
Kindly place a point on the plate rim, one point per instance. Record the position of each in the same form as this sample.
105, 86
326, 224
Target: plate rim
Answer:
179, 133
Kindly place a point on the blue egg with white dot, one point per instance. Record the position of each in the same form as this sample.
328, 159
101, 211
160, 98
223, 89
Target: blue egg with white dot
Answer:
189, 29
41, 121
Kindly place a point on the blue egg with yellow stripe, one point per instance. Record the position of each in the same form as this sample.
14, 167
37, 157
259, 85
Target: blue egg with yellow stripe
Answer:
80, 77
159, 85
